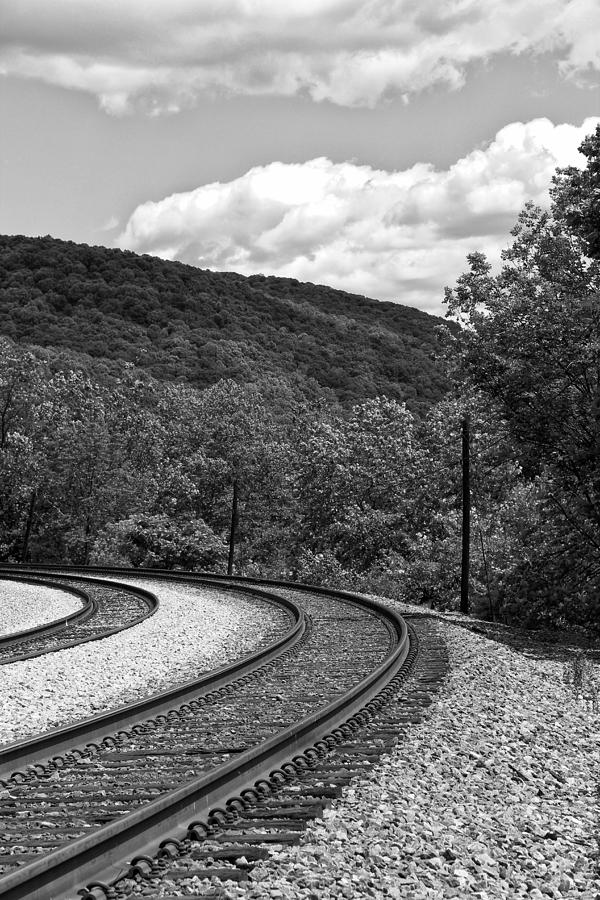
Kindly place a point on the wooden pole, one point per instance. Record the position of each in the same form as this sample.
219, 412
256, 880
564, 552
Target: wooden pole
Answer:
233, 529
466, 518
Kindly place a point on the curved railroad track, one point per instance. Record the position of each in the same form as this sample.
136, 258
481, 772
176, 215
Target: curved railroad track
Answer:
203, 763
12, 641
106, 609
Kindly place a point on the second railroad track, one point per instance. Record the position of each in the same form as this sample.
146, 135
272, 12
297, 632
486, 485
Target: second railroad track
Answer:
84, 808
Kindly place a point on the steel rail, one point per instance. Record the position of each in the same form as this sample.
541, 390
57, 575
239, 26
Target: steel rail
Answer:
104, 854
148, 599
25, 753
84, 612
215, 577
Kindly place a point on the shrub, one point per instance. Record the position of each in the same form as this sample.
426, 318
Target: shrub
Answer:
159, 542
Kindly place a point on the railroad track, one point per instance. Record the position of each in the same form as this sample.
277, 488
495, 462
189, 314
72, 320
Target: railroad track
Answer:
106, 609
220, 771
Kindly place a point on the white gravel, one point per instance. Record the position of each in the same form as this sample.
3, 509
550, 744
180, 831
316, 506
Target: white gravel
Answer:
493, 795
194, 630
24, 606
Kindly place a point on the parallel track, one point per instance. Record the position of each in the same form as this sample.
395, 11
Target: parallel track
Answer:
107, 609
184, 764
13, 644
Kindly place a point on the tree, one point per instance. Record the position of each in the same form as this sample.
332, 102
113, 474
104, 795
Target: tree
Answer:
159, 542
100, 461
24, 420
75, 452
354, 483
576, 196
531, 343
232, 448
432, 566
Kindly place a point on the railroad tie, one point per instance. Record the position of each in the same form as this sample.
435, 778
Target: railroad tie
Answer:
133, 767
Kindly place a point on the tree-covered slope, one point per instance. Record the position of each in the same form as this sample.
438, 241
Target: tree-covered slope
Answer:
180, 322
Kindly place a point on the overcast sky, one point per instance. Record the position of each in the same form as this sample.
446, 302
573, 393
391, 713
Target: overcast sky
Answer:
365, 144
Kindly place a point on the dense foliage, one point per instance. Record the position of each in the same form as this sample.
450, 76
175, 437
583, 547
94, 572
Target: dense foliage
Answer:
102, 462
532, 346
180, 322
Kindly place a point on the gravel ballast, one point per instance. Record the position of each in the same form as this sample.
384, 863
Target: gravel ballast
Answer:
493, 795
195, 629
24, 606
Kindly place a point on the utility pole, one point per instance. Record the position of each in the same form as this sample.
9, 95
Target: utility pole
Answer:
233, 529
466, 518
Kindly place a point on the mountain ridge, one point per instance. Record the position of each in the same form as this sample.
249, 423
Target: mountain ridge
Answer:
184, 323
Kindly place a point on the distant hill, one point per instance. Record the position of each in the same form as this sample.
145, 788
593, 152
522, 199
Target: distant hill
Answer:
180, 322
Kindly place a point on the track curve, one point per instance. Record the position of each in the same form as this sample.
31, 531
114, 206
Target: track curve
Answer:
107, 610
306, 695
12, 641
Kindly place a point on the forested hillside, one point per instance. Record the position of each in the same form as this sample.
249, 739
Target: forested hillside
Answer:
267, 472
180, 322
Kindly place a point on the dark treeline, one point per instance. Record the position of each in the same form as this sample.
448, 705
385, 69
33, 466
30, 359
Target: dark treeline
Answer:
180, 322
101, 462
128, 469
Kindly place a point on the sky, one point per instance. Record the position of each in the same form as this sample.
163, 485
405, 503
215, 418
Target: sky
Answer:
364, 144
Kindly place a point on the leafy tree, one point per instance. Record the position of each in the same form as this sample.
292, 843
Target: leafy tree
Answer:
159, 542
576, 196
231, 443
431, 565
531, 344
99, 458
242, 452
354, 482
22, 419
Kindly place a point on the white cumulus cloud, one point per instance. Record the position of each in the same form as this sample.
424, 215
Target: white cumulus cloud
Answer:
391, 235
159, 56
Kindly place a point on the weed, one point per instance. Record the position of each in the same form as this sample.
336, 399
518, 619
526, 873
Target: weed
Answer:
583, 679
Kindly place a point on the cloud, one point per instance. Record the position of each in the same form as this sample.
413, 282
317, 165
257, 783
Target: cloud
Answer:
391, 235
109, 225
158, 56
